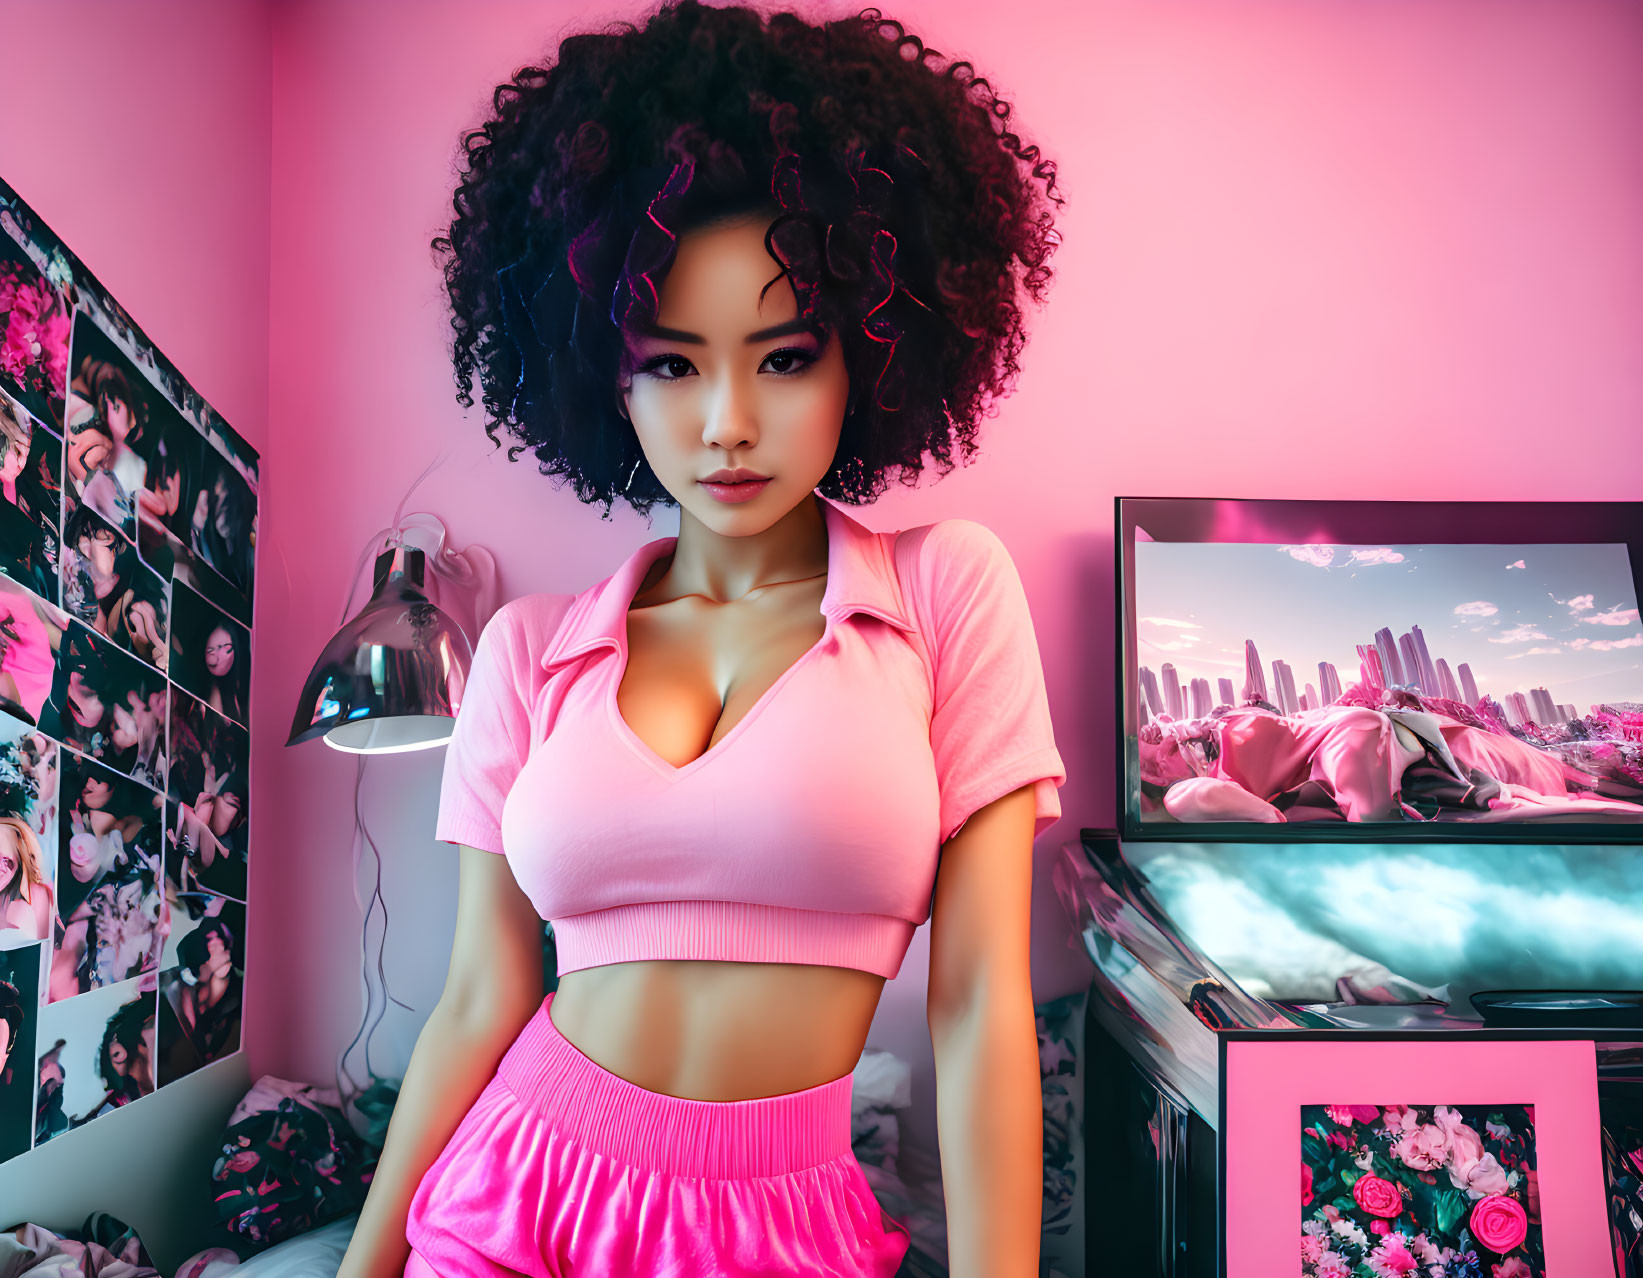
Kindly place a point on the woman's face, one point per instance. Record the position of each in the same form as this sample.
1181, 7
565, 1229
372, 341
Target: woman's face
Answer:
11, 860
15, 458
734, 382
96, 792
219, 652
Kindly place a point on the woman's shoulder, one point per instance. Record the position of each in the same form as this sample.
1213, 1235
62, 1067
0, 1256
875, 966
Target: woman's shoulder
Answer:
523, 628
950, 560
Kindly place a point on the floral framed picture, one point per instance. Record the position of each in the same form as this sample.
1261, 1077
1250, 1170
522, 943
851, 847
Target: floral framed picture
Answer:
1409, 1188
1466, 1155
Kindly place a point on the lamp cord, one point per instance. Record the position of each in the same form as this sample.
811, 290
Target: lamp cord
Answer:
362, 834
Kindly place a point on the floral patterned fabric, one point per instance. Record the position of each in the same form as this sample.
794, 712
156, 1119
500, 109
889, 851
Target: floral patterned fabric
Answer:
1428, 1191
290, 1161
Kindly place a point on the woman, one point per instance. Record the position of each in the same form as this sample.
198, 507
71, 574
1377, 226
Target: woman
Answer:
751, 745
226, 683
110, 589
125, 1059
101, 388
210, 1010
26, 897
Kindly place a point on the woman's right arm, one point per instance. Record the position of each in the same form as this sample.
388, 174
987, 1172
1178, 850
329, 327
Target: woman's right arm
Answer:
493, 987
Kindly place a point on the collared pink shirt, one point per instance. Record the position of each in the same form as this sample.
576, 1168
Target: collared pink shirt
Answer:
811, 832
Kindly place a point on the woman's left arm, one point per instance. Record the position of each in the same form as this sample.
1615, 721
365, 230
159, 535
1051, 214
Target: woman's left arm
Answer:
989, 1098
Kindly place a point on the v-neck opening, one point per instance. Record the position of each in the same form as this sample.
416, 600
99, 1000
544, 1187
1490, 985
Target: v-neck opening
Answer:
648, 754
614, 686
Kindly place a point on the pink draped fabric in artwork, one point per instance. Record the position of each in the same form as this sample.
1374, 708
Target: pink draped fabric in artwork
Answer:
1234, 768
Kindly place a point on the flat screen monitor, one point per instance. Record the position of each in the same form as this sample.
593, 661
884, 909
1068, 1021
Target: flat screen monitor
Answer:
1315, 670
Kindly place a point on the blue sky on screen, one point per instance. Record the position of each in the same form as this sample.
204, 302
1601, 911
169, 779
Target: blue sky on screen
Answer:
1560, 616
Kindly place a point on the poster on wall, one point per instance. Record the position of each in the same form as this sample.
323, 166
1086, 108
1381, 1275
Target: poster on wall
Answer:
128, 528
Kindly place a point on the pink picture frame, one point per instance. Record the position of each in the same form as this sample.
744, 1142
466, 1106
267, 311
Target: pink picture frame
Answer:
1267, 1080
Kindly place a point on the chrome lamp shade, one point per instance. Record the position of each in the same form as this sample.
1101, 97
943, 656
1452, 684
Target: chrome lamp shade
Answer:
391, 679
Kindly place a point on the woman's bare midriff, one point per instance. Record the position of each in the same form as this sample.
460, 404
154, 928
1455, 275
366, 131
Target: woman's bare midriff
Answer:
718, 1031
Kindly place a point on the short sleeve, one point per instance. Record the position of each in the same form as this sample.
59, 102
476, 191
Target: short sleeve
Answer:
491, 739
990, 728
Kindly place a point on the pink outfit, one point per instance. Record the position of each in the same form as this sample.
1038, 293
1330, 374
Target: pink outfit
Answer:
564, 1168
811, 832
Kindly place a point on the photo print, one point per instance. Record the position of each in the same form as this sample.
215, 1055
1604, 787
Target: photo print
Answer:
34, 335
210, 800
96, 1053
110, 900
108, 586
19, 1021
201, 979
223, 525
1420, 1189
210, 654
113, 415
108, 705
174, 462
28, 834
28, 551
31, 464
31, 632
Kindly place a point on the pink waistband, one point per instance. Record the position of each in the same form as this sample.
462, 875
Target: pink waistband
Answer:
676, 1135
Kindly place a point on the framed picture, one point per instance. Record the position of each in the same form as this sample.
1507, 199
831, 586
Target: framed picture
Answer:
1474, 1154
1312, 671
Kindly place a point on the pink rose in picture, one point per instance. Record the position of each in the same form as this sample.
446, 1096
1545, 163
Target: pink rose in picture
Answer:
1424, 1148
1306, 1184
1512, 1267
1379, 1227
1377, 1196
1312, 1247
1341, 1115
1499, 1223
1334, 1265
1365, 1113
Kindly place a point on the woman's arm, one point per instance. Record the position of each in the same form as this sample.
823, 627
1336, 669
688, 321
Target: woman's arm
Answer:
493, 986
989, 1100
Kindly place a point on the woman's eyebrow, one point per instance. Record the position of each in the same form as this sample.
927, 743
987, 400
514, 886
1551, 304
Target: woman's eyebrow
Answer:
763, 335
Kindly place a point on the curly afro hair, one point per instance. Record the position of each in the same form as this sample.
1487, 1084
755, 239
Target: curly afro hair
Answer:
905, 214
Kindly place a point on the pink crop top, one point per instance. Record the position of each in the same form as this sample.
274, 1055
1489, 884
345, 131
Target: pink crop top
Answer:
809, 833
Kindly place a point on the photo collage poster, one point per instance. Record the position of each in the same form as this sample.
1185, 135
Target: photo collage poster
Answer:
127, 550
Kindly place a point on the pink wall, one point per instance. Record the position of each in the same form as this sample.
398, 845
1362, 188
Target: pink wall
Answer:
1320, 250
139, 132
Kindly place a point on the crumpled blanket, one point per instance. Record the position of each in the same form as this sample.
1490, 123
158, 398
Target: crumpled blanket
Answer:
290, 1161
104, 1247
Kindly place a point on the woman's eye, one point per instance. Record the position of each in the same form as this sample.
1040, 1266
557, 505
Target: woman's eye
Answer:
785, 362
795, 358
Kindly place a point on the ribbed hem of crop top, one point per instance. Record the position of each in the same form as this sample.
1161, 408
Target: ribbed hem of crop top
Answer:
731, 930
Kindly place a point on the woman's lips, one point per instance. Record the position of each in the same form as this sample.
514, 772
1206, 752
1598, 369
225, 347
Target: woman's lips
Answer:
733, 494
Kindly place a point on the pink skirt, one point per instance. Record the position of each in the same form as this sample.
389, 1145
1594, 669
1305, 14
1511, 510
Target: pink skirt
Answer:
562, 1168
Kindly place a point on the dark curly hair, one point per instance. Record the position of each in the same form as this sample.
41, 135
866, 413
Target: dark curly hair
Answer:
904, 213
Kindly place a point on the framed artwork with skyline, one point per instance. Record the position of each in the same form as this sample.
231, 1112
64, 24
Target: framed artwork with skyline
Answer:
1316, 670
